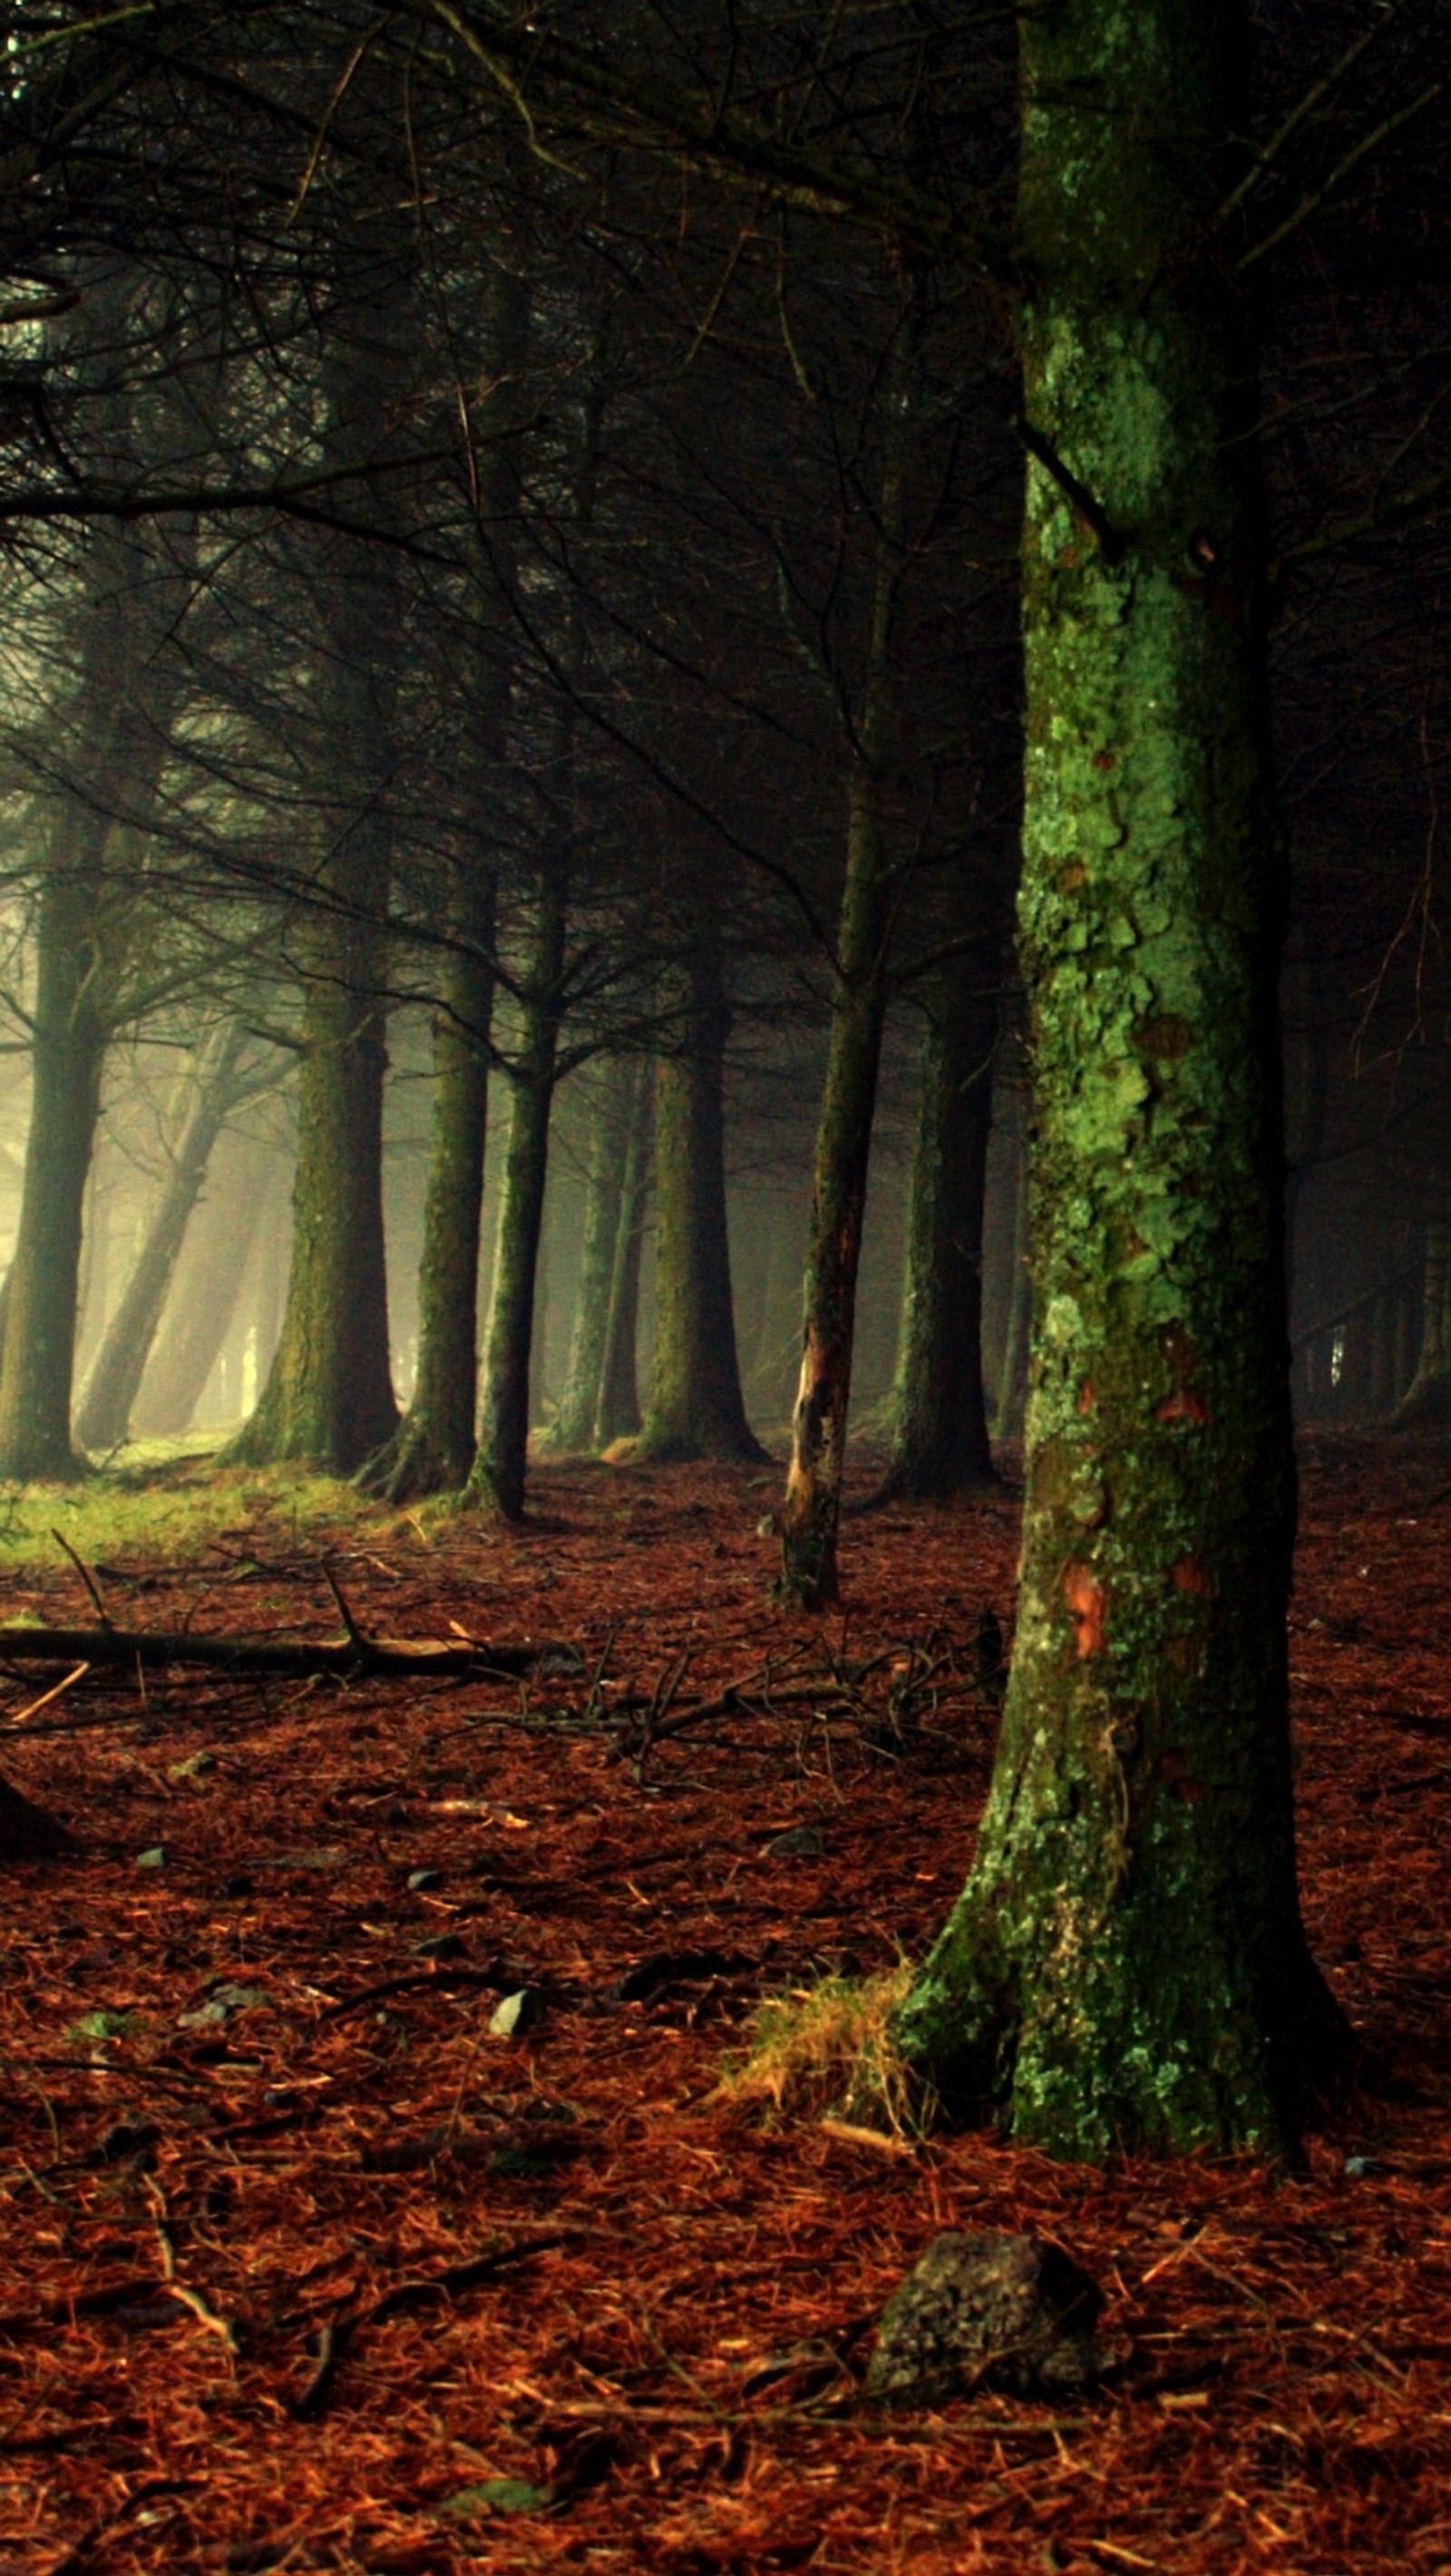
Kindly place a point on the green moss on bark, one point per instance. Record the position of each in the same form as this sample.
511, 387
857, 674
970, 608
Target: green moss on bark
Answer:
1126, 1965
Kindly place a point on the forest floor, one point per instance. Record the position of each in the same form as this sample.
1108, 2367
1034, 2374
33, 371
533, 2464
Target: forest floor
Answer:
299, 2258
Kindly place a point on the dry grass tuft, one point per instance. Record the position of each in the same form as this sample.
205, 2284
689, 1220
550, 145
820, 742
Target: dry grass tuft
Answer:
829, 2047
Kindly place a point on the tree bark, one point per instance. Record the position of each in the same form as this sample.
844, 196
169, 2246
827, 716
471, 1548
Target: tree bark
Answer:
69, 1045
696, 1406
940, 1434
1126, 1968
432, 1449
617, 1416
496, 1480
573, 1428
85, 931
1013, 1377
205, 1288
120, 1363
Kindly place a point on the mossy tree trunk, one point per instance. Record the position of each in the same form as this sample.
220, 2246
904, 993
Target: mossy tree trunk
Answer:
116, 1372
68, 1053
939, 1433
86, 931
617, 1415
328, 1402
1126, 1967
696, 1406
496, 1480
810, 1513
573, 1429
1013, 1375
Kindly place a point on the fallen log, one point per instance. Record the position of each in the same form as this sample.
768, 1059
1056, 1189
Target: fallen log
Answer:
350, 1658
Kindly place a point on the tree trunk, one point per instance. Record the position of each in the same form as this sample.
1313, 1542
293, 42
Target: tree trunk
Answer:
696, 1406
120, 1363
610, 1126
433, 1448
940, 1434
328, 1402
811, 1512
68, 1055
1126, 1968
617, 1415
205, 1289
86, 929
496, 1481
1427, 1400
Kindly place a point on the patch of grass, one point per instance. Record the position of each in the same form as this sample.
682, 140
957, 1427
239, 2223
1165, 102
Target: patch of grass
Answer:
829, 2047
164, 1501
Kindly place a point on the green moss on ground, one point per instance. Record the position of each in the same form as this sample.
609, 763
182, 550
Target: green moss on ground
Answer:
167, 1500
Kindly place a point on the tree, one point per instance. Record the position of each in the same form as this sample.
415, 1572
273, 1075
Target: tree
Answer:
939, 1422
696, 1406
214, 1086
1126, 1965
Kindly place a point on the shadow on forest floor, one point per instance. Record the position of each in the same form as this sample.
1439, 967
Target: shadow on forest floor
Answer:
299, 2252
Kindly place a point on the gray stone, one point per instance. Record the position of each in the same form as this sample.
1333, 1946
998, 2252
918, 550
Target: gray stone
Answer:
155, 1858
799, 1842
421, 1879
987, 2311
520, 2012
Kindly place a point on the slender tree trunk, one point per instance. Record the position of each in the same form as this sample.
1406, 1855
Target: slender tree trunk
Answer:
696, 1406
205, 1288
433, 1448
940, 1434
1126, 1968
610, 1123
68, 1055
120, 1362
496, 1481
811, 1512
617, 1414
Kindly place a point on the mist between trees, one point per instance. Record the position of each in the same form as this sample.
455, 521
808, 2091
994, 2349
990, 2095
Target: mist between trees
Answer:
674, 690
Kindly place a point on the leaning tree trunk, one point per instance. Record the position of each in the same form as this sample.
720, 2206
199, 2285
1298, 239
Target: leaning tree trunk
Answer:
939, 1433
617, 1414
496, 1481
572, 1430
1126, 1968
69, 1044
696, 1406
207, 1283
120, 1363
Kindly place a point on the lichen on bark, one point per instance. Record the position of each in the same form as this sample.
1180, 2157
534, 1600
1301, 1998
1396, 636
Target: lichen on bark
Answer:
1126, 1964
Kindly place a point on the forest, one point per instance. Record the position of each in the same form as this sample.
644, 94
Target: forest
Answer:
725, 1286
